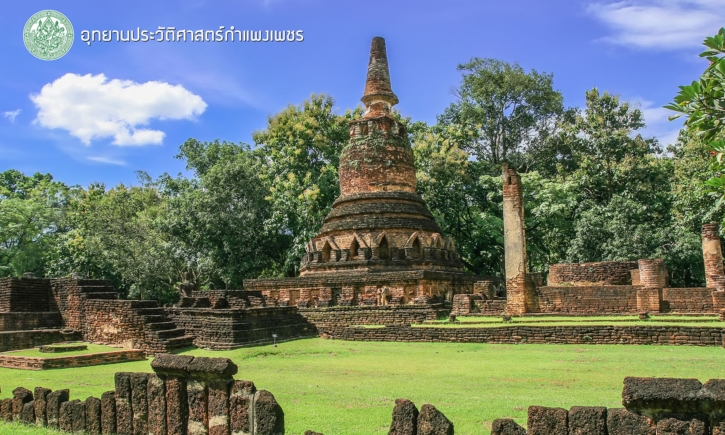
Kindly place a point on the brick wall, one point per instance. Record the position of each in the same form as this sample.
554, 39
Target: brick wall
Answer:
670, 335
113, 322
24, 294
327, 320
588, 300
28, 320
13, 340
582, 274
57, 362
229, 329
687, 300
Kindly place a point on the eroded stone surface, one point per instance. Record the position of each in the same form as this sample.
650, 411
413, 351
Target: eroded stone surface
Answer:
623, 422
506, 426
93, 415
55, 400
268, 415
156, 406
547, 421
108, 413
41, 402
432, 422
588, 420
405, 418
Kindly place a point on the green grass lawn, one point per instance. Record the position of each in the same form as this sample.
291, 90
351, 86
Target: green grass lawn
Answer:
341, 387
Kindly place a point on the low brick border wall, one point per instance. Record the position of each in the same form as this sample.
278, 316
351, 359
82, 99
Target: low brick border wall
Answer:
665, 335
61, 362
15, 340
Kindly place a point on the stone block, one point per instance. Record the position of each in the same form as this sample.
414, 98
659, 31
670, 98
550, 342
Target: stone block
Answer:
27, 414
309, 432
547, 421
405, 418
656, 397
240, 402
718, 427
139, 403
212, 368
218, 407
197, 395
171, 365
673, 426
21, 396
108, 413
268, 415
156, 396
586, 420
124, 414
41, 402
177, 405
506, 426
623, 422
65, 416
432, 422
78, 416
52, 410
93, 416
714, 391
6, 409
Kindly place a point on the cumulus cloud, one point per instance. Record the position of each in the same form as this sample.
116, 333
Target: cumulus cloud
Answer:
92, 107
12, 114
660, 24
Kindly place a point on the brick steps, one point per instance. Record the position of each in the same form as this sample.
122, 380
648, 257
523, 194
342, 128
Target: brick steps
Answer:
179, 342
169, 333
102, 295
159, 326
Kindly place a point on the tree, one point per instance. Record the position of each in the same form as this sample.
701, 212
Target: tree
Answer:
31, 212
607, 156
216, 220
703, 104
502, 111
300, 151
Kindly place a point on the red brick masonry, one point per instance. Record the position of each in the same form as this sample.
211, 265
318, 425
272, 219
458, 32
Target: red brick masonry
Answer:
59, 362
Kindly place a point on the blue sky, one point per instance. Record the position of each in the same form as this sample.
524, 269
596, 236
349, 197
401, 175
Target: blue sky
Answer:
106, 110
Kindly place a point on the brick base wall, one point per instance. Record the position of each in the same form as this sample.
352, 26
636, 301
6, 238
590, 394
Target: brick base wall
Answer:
58, 362
14, 340
327, 320
669, 335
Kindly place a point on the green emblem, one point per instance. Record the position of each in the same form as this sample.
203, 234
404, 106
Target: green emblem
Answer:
48, 35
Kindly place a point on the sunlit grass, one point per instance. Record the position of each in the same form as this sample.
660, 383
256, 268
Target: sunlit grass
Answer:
339, 387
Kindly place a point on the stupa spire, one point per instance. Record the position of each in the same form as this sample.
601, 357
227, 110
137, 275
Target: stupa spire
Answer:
379, 96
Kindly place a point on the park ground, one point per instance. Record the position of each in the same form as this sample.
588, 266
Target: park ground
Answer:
349, 388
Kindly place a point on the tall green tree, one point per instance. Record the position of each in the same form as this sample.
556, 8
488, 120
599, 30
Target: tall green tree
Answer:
31, 216
502, 112
300, 150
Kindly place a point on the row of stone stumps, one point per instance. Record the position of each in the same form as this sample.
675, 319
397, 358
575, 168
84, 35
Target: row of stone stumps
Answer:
652, 406
186, 396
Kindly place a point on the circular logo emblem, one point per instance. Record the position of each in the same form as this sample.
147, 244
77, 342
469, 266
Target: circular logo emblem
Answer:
48, 35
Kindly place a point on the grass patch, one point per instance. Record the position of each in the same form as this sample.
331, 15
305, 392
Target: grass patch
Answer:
349, 388
92, 348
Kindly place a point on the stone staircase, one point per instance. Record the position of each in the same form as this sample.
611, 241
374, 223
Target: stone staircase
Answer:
162, 335
97, 289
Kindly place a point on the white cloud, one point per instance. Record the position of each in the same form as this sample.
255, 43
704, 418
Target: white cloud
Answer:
107, 160
92, 107
12, 114
660, 24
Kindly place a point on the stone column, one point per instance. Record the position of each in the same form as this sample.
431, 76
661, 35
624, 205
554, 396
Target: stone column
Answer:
124, 415
156, 395
520, 292
41, 402
653, 278
712, 253
139, 404
108, 413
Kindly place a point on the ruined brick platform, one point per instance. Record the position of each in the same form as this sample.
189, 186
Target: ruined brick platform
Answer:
61, 362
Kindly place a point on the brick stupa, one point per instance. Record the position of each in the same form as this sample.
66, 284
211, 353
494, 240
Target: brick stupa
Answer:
379, 244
